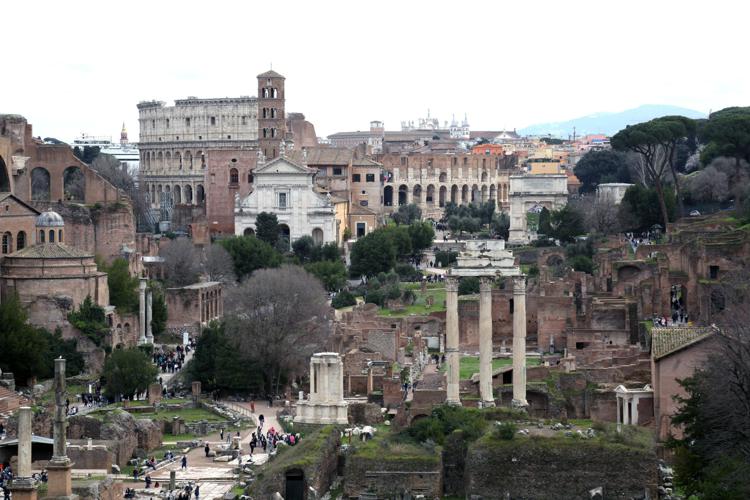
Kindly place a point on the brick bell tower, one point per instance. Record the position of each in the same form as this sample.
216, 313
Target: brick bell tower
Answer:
271, 117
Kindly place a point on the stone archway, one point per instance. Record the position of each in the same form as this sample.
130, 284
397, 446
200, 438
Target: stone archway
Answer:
4, 177
403, 194
442, 196
317, 236
40, 184
388, 196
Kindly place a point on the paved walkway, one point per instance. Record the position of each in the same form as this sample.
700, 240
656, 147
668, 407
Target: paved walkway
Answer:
216, 478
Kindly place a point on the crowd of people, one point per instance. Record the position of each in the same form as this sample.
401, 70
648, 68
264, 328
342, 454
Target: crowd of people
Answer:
6, 476
171, 361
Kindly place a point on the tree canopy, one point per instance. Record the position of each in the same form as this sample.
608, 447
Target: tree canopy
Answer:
599, 167
407, 214
249, 253
127, 372
655, 142
372, 254
267, 228
123, 288
727, 133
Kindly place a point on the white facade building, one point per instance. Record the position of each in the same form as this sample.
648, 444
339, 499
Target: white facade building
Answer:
286, 188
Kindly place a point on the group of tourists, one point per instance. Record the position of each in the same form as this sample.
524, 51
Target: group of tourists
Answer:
6, 476
171, 361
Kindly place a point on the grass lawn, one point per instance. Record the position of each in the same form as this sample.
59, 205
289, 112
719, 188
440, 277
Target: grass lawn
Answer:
470, 365
434, 290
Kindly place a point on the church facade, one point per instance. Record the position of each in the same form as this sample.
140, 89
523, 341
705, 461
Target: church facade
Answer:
287, 188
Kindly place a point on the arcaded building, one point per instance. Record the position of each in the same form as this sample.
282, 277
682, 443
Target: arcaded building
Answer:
431, 179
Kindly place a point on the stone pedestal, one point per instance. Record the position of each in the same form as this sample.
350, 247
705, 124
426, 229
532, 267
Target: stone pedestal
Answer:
326, 403
154, 393
23, 488
451, 341
519, 342
485, 343
59, 484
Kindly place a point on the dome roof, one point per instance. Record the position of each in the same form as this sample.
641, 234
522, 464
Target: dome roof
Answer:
50, 219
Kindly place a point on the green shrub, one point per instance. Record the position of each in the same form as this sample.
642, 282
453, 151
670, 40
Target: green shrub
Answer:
582, 263
445, 258
393, 292
407, 272
468, 285
506, 430
343, 299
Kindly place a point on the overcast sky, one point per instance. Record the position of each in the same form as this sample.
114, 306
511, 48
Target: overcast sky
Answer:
75, 66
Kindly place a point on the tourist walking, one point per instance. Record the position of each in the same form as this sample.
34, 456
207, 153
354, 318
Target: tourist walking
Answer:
184, 462
197, 491
206, 449
253, 444
221, 434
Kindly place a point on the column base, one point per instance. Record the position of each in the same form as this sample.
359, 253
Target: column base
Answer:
488, 404
519, 404
453, 402
23, 488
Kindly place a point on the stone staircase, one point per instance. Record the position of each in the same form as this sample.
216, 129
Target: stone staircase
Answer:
10, 401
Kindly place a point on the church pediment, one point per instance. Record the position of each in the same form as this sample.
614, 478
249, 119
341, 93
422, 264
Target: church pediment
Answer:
282, 166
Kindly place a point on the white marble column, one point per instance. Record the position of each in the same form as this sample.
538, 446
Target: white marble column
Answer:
485, 342
149, 333
142, 310
519, 341
451, 340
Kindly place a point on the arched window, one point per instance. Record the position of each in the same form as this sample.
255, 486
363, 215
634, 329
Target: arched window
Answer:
41, 236
40, 184
317, 235
7, 242
51, 235
74, 184
249, 177
234, 176
177, 195
188, 195
200, 194
21, 240
59, 236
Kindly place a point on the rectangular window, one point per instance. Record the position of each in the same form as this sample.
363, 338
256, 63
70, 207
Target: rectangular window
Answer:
713, 272
336, 170
187, 122
213, 120
282, 200
356, 178
403, 161
361, 228
167, 122
370, 177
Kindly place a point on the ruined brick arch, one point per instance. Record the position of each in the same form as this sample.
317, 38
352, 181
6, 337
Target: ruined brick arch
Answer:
627, 272
4, 177
40, 184
74, 184
554, 260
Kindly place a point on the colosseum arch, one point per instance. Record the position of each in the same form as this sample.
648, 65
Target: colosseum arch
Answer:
484, 176
74, 184
474, 193
200, 194
403, 194
484, 194
4, 177
430, 197
160, 160
178, 159
188, 195
454, 194
493, 192
189, 159
417, 194
177, 195
465, 194
443, 177
442, 196
40, 184
168, 159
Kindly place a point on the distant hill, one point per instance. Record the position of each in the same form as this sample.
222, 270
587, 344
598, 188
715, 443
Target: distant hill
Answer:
608, 123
